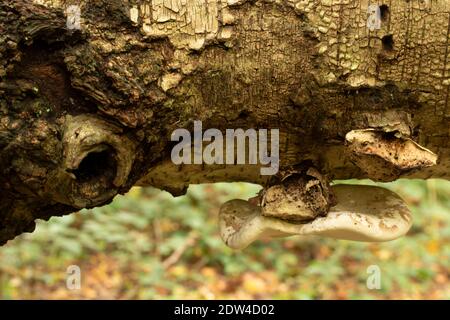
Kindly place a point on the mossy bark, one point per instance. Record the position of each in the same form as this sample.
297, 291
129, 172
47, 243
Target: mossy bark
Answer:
86, 114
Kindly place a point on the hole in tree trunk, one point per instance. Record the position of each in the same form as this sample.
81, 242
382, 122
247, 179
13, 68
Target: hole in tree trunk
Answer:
388, 43
384, 11
97, 167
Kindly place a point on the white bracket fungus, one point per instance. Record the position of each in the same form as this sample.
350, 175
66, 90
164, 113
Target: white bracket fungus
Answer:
303, 204
362, 213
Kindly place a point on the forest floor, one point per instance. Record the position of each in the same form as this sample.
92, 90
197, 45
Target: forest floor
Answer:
148, 245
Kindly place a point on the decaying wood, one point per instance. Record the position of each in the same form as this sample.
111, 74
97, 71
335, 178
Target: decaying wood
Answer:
86, 114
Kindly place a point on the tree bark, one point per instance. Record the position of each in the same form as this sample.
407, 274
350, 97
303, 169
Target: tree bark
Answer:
86, 114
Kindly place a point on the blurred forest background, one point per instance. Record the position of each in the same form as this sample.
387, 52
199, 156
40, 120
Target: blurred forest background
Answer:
149, 245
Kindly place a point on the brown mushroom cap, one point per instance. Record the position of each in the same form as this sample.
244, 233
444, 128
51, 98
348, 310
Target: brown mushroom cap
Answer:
362, 213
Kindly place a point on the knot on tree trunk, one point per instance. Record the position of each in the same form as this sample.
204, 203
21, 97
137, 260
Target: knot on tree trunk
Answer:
97, 159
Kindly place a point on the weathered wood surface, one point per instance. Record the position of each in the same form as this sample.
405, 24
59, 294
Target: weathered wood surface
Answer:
86, 114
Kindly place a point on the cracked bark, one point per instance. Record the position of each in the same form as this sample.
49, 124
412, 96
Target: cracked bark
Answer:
85, 115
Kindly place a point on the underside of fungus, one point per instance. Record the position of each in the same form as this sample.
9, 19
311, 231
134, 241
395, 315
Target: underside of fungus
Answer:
361, 213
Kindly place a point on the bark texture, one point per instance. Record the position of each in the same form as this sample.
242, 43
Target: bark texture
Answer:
86, 114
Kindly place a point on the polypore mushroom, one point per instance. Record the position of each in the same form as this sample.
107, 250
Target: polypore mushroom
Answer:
386, 156
362, 213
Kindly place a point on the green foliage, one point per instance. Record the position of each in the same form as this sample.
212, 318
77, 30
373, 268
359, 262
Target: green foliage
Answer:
150, 245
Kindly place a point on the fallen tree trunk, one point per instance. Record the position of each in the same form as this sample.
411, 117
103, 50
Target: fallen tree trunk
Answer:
87, 113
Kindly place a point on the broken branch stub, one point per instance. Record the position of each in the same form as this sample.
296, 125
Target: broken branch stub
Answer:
384, 156
362, 213
98, 158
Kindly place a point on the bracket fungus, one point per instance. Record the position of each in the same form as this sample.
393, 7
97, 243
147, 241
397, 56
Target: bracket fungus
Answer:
386, 156
362, 213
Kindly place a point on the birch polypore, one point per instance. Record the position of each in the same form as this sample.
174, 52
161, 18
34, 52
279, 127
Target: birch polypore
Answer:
362, 213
